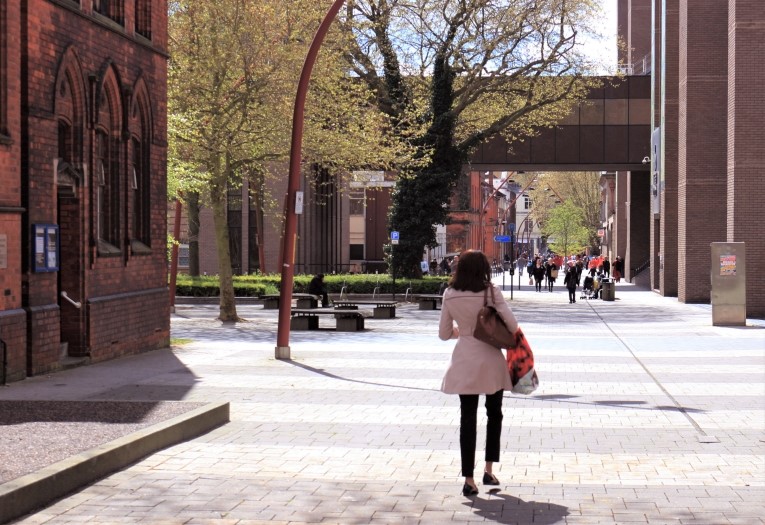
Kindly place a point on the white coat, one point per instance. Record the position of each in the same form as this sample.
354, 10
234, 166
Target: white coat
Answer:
475, 367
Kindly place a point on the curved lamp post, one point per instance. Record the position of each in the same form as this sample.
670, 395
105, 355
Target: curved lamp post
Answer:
293, 184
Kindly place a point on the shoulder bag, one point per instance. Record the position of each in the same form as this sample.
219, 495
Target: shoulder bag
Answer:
489, 326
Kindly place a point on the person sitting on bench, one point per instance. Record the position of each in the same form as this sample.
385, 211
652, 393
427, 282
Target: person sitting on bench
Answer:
319, 289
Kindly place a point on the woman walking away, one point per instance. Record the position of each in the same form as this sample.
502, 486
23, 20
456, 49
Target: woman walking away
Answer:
475, 367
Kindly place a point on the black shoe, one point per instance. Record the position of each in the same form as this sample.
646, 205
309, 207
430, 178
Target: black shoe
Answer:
490, 479
468, 490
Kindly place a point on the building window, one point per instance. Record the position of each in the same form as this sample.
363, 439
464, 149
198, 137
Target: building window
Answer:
526, 202
65, 142
107, 194
141, 196
356, 201
113, 9
357, 252
234, 216
143, 18
183, 255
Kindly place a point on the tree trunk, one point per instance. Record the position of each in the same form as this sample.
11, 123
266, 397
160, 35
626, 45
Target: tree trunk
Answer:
192, 204
220, 216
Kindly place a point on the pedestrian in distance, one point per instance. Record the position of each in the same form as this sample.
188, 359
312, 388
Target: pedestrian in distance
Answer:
570, 282
476, 368
618, 268
606, 267
551, 272
539, 274
319, 289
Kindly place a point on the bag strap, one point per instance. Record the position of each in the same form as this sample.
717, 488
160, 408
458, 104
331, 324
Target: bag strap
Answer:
486, 296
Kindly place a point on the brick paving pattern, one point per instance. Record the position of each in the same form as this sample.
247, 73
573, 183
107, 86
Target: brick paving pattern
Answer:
645, 414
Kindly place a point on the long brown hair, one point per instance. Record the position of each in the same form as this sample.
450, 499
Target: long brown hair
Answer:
473, 272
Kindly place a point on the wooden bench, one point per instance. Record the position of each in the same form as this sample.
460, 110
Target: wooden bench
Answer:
304, 300
382, 309
429, 301
308, 319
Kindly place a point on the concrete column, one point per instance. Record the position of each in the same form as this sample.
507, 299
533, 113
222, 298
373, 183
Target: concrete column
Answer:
746, 136
702, 142
669, 136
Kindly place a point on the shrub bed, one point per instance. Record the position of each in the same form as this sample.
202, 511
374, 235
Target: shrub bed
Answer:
259, 285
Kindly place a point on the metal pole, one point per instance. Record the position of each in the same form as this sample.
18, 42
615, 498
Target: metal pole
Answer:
290, 217
174, 256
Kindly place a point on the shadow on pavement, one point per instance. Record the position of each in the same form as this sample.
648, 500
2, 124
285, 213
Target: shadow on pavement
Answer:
503, 508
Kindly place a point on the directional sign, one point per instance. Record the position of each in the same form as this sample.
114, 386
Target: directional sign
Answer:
501, 238
394, 237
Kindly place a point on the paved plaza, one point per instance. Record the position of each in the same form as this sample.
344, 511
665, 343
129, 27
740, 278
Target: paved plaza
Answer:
646, 413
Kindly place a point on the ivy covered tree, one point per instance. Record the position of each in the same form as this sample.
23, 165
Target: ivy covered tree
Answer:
451, 74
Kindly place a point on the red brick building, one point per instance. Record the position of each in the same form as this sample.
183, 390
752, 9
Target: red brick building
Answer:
82, 181
707, 65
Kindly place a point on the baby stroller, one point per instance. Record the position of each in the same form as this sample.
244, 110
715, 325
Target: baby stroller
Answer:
590, 288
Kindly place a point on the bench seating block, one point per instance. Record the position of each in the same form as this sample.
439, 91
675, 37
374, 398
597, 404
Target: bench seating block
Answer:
271, 303
307, 302
304, 322
350, 324
427, 304
385, 312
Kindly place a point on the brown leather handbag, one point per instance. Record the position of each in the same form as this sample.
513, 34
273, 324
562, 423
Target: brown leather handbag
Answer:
489, 326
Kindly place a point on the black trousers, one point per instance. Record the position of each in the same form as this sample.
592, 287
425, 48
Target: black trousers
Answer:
572, 294
468, 418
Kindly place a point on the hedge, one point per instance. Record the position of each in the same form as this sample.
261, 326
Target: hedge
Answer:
258, 285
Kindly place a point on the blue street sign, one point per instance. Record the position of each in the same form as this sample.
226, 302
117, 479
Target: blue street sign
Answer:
394, 235
501, 238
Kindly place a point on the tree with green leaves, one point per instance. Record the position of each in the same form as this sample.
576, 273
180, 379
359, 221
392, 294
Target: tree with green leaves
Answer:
565, 230
233, 76
579, 188
452, 74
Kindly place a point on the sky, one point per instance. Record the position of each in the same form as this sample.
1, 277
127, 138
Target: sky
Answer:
605, 50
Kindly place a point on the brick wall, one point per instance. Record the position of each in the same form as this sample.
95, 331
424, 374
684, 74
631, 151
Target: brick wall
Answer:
71, 54
746, 136
117, 322
703, 92
13, 332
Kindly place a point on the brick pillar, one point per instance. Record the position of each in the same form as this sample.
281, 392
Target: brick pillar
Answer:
656, 76
746, 136
669, 118
638, 249
639, 35
622, 27
702, 142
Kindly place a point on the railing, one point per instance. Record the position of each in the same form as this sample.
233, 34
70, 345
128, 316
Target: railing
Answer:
639, 269
640, 67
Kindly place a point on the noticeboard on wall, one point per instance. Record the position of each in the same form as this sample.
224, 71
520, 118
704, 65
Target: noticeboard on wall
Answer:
46, 247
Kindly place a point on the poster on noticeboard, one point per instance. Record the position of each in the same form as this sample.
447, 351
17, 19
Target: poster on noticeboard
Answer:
46, 248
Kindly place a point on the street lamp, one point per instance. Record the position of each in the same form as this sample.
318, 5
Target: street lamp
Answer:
282, 350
